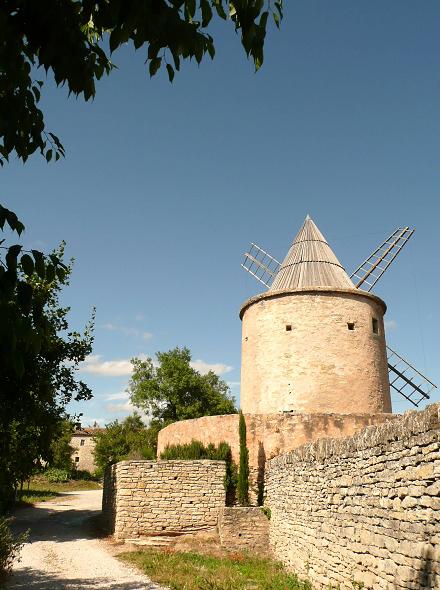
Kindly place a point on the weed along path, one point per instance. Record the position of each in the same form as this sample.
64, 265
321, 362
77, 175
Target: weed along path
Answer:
65, 553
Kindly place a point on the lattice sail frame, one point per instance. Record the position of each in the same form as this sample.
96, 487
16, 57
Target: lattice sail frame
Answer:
260, 265
403, 376
377, 263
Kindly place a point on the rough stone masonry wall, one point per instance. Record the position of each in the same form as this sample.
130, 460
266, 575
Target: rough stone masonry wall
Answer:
363, 509
83, 446
298, 353
244, 529
144, 498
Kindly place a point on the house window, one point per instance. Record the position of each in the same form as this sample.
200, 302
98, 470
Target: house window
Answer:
288, 328
375, 326
82, 443
350, 325
76, 459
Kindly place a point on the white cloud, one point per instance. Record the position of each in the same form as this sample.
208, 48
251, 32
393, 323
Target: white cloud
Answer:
390, 325
89, 421
122, 367
139, 317
118, 408
116, 368
203, 367
135, 332
233, 383
127, 408
116, 396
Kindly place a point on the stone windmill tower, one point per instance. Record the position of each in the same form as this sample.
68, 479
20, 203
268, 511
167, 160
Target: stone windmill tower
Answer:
315, 341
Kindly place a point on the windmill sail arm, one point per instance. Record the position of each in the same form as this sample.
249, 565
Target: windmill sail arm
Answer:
372, 269
260, 264
407, 380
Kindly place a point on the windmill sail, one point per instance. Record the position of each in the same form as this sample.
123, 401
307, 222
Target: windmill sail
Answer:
260, 265
406, 380
371, 270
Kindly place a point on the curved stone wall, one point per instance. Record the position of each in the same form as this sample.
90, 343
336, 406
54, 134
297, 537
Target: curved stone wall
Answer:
267, 435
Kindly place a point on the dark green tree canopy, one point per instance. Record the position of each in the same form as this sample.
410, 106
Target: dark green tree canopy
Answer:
172, 390
128, 439
38, 358
73, 39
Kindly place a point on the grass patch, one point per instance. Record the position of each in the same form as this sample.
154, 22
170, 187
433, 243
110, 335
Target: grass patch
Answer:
191, 571
41, 490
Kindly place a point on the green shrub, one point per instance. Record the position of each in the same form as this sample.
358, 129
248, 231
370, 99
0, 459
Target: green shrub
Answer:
243, 472
55, 475
9, 544
197, 450
82, 474
266, 511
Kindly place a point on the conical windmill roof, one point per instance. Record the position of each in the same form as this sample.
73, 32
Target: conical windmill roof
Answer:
310, 262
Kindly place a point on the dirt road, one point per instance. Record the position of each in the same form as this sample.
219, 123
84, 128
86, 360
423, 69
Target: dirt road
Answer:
64, 553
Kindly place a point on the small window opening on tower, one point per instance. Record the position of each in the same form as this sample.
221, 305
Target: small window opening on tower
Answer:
288, 327
375, 326
350, 325
76, 459
83, 442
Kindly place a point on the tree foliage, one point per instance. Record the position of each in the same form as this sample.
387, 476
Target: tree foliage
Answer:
38, 358
129, 439
172, 390
10, 545
73, 39
243, 470
60, 448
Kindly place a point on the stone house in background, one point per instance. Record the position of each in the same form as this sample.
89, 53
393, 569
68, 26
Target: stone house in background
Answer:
83, 444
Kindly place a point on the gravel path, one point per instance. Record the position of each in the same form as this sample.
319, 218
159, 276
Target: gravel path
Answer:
64, 554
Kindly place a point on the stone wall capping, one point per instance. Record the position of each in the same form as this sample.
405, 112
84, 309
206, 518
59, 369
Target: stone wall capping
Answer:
410, 423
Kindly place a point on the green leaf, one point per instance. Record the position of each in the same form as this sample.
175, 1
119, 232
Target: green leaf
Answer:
190, 8
61, 273
50, 273
11, 256
12, 219
218, 4
40, 267
206, 12
211, 49
115, 39
170, 71
155, 64
27, 264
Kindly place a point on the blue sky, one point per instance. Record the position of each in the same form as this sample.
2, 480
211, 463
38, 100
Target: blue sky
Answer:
164, 186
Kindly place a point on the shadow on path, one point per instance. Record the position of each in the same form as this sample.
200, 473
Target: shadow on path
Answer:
34, 579
47, 524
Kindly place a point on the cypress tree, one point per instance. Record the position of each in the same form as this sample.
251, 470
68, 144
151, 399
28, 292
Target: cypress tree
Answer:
243, 472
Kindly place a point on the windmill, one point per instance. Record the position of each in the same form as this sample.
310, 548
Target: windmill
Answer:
310, 266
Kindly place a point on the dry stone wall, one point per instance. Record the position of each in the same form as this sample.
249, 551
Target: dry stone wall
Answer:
244, 529
146, 498
362, 511
268, 435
